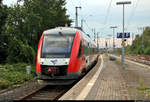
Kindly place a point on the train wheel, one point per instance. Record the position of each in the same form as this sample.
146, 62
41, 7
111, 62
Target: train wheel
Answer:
84, 71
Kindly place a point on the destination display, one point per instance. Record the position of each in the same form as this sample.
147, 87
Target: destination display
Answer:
126, 35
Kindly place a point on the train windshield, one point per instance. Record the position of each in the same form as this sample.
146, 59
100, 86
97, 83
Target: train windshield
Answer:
56, 46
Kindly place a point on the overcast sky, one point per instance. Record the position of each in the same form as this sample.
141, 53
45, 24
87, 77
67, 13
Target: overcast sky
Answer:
101, 14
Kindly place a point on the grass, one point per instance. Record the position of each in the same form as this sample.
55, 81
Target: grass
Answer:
143, 89
119, 63
106, 55
15, 75
130, 93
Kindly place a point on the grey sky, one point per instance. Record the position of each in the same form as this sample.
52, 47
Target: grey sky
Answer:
136, 15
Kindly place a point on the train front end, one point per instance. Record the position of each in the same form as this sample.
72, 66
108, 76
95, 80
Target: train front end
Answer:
53, 56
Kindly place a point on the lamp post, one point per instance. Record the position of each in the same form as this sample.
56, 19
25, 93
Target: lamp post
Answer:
122, 58
76, 23
113, 27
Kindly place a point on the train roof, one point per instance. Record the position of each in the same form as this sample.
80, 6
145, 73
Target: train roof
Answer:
63, 30
67, 31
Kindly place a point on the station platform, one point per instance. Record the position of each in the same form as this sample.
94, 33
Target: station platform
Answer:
109, 81
103, 82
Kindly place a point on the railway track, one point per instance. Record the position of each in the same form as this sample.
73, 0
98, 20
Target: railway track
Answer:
142, 57
36, 91
52, 92
49, 93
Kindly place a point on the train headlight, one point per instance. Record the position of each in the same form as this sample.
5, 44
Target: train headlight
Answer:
42, 61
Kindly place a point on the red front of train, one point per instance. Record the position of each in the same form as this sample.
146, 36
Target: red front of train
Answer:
64, 53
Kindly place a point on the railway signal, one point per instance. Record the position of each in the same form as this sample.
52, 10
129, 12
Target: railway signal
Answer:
123, 43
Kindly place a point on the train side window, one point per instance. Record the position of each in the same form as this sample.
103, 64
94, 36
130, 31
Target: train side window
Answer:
80, 50
84, 49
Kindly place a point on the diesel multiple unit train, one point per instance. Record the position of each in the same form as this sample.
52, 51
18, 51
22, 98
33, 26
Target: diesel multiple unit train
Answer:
63, 55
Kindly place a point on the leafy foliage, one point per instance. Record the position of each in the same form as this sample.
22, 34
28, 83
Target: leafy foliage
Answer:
3, 38
21, 27
19, 52
139, 47
14, 75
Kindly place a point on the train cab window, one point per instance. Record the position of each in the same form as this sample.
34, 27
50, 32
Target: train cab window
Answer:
56, 46
80, 50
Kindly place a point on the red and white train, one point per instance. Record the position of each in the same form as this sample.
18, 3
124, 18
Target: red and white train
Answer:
63, 55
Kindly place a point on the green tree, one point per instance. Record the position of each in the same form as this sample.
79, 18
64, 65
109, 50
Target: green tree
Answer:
43, 15
138, 47
20, 52
3, 38
25, 24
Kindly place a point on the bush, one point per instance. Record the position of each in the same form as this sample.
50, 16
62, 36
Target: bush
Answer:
11, 79
20, 52
4, 84
14, 75
147, 51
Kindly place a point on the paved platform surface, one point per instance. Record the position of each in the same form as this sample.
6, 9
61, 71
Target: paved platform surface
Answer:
137, 78
75, 91
108, 81
109, 85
